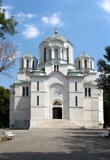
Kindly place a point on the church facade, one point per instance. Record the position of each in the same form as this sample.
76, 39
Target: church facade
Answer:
56, 88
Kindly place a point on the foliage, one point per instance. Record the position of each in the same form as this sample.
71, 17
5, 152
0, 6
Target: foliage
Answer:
104, 82
8, 56
104, 69
4, 106
7, 25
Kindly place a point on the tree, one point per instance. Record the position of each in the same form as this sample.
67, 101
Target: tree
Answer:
8, 53
8, 56
4, 106
7, 25
104, 82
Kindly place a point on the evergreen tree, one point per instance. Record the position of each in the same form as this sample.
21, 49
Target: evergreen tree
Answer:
104, 82
7, 25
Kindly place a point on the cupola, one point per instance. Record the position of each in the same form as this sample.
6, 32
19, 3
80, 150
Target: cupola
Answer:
28, 61
84, 62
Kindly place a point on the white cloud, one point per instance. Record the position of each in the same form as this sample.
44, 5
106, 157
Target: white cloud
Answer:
30, 32
7, 10
105, 4
52, 20
22, 15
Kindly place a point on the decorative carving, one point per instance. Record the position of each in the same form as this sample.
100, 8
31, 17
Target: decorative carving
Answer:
56, 91
13, 92
27, 72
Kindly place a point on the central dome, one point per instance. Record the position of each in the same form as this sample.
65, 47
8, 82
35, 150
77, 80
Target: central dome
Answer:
57, 37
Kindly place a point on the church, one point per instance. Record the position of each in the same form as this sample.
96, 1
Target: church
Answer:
58, 87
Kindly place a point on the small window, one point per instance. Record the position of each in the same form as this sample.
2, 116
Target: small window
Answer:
85, 63
89, 92
79, 64
56, 53
23, 91
27, 91
37, 86
76, 101
50, 54
22, 65
27, 63
75, 86
91, 64
37, 100
33, 64
44, 55
67, 55
85, 92
56, 67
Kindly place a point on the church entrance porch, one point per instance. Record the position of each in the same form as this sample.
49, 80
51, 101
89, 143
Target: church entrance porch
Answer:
57, 113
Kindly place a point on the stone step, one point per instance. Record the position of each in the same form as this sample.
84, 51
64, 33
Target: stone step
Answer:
56, 123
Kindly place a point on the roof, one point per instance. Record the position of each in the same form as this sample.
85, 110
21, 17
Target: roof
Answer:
28, 55
56, 37
84, 55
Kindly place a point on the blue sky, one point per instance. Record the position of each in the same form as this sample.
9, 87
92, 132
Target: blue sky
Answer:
86, 23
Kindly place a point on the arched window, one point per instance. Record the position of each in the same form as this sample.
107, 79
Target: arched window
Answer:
27, 63
85, 63
57, 103
68, 55
44, 55
56, 53
91, 64
85, 92
50, 54
79, 64
33, 64
23, 91
27, 91
89, 92
22, 64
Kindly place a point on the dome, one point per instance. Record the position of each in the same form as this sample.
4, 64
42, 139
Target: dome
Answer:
84, 55
28, 55
56, 37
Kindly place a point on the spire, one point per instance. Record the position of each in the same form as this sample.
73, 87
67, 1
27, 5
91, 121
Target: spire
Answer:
56, 31
28, 51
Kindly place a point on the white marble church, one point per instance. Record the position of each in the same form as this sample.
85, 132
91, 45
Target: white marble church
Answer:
56, 87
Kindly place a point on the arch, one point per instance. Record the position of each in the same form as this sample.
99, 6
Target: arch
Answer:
57, 103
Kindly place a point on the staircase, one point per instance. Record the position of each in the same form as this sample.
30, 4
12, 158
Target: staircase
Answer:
56, 123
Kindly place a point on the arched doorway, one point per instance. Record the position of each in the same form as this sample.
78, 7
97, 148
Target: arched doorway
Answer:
57, 110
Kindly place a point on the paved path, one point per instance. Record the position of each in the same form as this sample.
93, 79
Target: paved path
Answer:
56, 144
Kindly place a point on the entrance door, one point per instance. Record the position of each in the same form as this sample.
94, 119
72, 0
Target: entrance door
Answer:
57, 113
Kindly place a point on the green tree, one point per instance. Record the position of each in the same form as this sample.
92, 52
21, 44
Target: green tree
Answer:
4, 106
7, 25
104, 82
